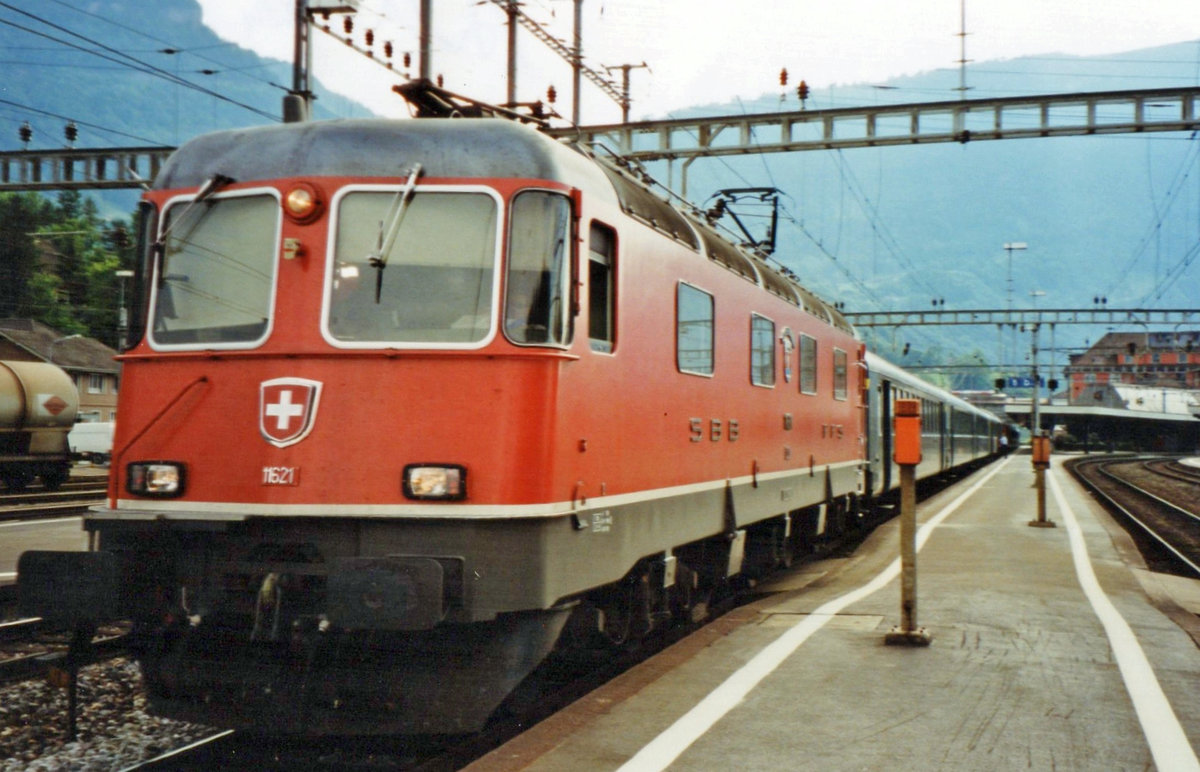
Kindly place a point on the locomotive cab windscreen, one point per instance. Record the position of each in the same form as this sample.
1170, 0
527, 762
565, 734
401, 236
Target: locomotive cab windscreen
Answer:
214, 277
437, 283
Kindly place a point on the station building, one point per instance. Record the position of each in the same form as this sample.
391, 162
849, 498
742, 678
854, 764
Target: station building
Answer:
1151, 359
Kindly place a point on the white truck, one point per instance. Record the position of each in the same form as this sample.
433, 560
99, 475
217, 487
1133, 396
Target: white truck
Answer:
91, 441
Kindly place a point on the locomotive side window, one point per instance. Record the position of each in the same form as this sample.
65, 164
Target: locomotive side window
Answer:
437, 286
694, 331
839, 374
808, 364
601, 288
537, 307
762, 351
216, 275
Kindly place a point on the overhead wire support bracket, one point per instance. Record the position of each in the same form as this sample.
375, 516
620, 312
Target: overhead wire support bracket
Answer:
557, 46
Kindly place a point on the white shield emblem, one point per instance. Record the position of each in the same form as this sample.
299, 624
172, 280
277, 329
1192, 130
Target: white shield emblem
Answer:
287, 408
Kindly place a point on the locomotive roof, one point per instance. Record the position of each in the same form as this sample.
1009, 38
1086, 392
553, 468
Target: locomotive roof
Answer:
477, 147
449, 148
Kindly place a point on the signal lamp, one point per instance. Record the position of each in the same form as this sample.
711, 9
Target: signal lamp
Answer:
439, 482
161, 479
303, 203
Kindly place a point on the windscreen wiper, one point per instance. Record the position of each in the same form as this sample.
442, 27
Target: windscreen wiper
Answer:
211, 186
389, 228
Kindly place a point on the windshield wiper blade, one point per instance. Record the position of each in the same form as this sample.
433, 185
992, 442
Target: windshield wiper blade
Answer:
211, 186
391, 227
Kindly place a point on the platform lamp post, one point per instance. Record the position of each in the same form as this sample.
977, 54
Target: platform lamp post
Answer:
56, 341
1039, 444
1010, 247
122, 312
907, 453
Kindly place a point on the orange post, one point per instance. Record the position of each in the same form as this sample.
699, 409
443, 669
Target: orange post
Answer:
907, 432
1040, 445
906, 436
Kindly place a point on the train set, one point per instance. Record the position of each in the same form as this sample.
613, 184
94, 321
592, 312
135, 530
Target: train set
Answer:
411, 403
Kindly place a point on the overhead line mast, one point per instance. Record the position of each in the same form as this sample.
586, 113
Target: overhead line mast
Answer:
573, 55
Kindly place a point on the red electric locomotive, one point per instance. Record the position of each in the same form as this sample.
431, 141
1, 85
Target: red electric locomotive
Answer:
408, 396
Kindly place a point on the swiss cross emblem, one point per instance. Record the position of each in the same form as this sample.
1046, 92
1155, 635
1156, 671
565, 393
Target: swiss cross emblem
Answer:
287, 408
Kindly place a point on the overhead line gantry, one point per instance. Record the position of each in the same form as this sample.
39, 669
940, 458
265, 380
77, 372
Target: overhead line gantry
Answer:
969, 120
960, 120
1026, 317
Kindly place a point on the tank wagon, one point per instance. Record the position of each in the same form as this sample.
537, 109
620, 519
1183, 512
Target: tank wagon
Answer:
411, 403
38, 402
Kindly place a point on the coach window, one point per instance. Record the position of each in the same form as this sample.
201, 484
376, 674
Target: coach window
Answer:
839, 374
215, 272
808, 364
694, 331
602, 242
537, 306
762, 351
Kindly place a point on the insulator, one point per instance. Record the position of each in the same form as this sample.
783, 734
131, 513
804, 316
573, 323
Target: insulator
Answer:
783, 77
348, 24
387, 49
407, 60
551, 95
370, 37
441, 81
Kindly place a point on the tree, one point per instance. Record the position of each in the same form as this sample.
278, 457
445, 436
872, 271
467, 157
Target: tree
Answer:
58, 263
21, 214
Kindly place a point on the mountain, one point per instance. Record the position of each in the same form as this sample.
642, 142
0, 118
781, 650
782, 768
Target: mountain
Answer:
875, 228
114, 68
895, 228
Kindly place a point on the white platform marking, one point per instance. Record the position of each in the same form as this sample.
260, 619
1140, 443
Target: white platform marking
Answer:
1168, 743
677, 738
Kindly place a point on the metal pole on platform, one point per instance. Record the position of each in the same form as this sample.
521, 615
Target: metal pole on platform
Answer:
1041, 462
907, 453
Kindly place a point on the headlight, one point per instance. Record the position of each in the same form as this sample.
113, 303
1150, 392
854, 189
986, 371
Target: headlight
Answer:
445, 482
164, 479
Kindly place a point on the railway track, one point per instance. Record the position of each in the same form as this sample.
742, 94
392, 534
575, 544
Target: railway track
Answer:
1157, 503
73, 498
26, 643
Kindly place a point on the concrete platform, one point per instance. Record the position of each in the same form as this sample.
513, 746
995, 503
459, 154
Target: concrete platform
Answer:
1052, 648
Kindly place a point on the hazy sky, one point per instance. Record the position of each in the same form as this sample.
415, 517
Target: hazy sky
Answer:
704, 51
